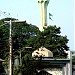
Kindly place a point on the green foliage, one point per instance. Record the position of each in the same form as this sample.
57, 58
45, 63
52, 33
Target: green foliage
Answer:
27, 35
30, 65
1, 68
52, 40
3, 41
21, 32
73, 58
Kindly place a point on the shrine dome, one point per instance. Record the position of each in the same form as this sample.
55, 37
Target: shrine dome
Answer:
42, 52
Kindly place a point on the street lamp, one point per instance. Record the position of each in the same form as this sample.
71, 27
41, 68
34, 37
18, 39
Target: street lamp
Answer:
10, 48
10, 44
10, 39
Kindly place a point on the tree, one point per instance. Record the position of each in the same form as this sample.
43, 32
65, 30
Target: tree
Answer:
27, 35
52, 40
21, 32
73, 58
3, 40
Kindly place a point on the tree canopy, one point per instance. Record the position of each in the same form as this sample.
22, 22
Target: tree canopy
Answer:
21, 32
28, 35
51, 39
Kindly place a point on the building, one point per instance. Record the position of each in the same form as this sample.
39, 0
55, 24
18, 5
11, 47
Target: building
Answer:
54, 66
73, 62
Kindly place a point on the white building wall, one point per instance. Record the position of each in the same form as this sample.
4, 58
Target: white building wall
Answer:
64, 70
54, 71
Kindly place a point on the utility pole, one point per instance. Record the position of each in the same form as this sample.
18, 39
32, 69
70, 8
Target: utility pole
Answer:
10, 44
10, 48
10, 39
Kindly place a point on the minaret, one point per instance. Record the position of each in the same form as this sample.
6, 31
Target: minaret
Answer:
43, 13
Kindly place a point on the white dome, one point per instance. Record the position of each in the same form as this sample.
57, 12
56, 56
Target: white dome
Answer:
42, 52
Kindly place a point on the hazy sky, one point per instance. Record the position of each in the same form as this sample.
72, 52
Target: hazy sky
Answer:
62, 11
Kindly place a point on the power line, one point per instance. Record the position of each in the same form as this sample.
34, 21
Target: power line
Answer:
5, 14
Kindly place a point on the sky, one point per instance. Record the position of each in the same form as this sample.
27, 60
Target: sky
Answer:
62, 11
